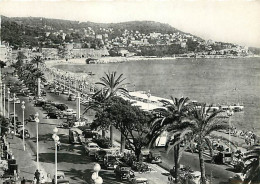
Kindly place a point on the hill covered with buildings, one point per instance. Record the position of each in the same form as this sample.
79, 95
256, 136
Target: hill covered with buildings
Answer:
55, 38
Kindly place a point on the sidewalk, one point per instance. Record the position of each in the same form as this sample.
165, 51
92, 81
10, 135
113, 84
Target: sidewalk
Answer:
25, 159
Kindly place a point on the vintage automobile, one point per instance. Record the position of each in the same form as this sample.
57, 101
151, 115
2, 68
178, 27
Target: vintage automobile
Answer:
26, 134
61, 107
140, 167
145, 153
46, 106
110, 161
124, 172
39, 103
139, 181
31, 118
99, 155
60, 178
237, 179
43, 93
68, 112
72, 97
75, 136
66, 92
53, 115
91, 148
154, 157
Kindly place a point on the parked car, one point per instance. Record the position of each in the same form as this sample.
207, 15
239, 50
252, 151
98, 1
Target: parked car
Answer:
51, 90
237, 179
75, 136
124, 172
31, 118
60, 178
91, 148
43, 93
154, 157
110, 161
68, 112
26, 134
53, 115
57, 92
39, 103
139, 181
61, 107
66, 92
72, 97
99, 155
47, 106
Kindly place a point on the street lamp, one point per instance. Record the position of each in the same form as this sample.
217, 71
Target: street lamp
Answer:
23, 107
56, 140
37, 141
8, 105
4, 101
14, 116
229, 113
97, 179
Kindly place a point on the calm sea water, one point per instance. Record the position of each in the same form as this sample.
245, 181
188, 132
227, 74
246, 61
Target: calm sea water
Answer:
217, 81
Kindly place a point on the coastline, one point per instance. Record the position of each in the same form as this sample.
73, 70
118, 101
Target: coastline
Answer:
105, 60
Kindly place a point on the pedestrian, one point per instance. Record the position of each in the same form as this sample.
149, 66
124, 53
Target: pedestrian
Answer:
12, 134
37, 176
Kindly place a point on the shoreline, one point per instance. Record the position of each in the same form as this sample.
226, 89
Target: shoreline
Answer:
106, 60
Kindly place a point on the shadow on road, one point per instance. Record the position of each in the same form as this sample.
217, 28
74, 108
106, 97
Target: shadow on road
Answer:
63, 157
108, 176
48, 137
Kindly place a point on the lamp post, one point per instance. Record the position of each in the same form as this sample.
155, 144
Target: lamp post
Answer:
229, 113
97, 179
4, 102
14, 116
8, 105
37, 141
23, 107
56, 139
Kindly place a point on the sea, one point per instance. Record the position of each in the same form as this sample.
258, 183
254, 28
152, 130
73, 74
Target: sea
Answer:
213, 81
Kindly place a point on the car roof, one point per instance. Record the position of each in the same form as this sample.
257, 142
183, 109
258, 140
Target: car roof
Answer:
92, 143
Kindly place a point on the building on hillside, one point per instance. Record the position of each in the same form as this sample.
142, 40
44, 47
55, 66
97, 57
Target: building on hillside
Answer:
5, 53
49, 53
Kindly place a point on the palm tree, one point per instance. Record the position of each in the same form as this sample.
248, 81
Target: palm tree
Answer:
202, 123
37, 60
111, 86
252, 170
171, 118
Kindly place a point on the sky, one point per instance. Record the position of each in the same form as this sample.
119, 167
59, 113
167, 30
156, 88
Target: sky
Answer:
234, 21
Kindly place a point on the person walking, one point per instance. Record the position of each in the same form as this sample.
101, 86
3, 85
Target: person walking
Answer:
37, 176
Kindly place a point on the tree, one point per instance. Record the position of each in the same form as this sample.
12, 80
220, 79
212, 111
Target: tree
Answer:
132, 122
202, 123
171, 119
4, 123
38, 60
252, 170
111, 86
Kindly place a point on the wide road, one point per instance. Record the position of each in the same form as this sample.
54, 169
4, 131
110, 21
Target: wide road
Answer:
75, 164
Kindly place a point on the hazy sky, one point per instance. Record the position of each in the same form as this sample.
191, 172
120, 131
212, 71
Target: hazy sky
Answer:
236, 21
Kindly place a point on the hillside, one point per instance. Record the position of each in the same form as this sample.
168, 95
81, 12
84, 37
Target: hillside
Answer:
59, 24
